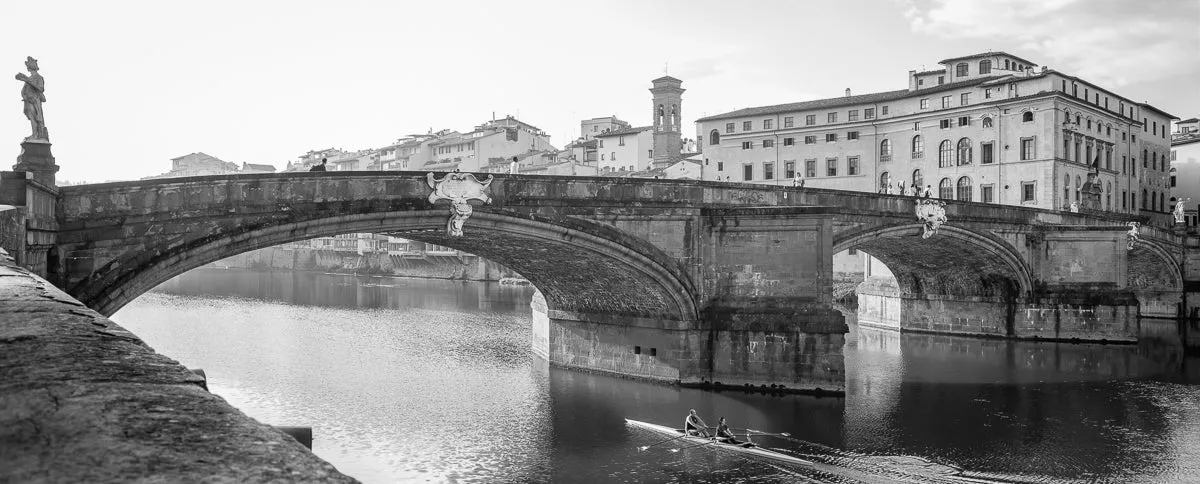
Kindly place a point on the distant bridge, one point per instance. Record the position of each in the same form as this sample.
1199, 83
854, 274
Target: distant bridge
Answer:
696, 282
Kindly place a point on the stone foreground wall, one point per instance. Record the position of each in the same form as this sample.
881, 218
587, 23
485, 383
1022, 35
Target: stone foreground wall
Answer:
84, 400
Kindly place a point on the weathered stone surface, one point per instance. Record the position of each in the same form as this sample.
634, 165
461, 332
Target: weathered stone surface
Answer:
83, 400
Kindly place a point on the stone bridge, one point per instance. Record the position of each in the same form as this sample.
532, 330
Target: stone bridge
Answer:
693, 282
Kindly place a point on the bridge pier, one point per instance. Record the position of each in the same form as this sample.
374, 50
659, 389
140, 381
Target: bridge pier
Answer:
766, 317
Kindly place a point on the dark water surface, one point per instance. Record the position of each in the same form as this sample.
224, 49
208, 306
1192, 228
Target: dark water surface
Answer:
433, 381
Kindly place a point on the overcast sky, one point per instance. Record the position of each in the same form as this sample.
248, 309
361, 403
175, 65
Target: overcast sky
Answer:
131, 85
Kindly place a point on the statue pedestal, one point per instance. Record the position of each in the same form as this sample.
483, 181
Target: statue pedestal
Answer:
36, 158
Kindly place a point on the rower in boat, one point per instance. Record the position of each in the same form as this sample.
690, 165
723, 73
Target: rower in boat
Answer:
725, 436
694, 425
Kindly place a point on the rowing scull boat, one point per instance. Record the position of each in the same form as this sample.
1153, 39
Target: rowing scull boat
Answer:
756, 451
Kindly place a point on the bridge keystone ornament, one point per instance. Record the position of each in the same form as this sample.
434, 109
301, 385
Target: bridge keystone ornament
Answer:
458, 188
1134, 234
933, 213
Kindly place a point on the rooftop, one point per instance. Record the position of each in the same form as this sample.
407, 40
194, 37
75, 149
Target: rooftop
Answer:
989, 54
620, 132
846, 100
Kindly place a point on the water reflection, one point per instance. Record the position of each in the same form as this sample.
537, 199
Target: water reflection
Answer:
408, 379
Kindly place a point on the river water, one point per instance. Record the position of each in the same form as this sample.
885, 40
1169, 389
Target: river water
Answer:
433, 381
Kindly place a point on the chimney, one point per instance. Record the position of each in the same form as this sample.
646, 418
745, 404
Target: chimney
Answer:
847, 92
912, 80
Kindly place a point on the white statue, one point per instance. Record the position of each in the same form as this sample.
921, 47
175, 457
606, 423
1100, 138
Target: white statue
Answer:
1074, 207
1178, 213
1134, 234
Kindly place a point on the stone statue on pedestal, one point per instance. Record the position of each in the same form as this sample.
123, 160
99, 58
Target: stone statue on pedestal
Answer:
1178, 213
34, 94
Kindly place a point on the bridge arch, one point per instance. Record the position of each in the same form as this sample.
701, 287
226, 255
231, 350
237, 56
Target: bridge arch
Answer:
562, 258
955, 262
1152, 267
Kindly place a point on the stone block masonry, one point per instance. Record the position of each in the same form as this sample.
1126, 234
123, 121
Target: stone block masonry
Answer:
84, 400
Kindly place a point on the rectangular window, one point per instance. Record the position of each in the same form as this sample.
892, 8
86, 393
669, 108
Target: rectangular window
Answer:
747, 125
720, 166
728, 128
987, 193
961, 70
985, 153
830, 166
1027, 151
768, 171
869, 113
810, 168
788, 122
831, 117
941, 80
789, 141
851, 135
987, 93
945, 102
789, 169
768, 143
925, 103
883, 111
810, 120
916, 125
964, 99
852, 165
747, 145
945, 124
830, 137
964, 120
810, 140
852, 115
1028, 189
747, 172
621, 141
768, 123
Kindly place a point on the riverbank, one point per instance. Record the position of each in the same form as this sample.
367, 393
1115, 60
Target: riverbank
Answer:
449, 267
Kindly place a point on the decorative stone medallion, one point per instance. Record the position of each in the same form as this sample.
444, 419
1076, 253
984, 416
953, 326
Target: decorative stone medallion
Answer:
1134, 234
933, 213
458, 188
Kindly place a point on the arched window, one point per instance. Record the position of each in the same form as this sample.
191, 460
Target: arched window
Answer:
964, 151
918, 146
885, 147
1154, 161
946, 189
1162, 202
884, 181
945, 154
987, 122
674, 117
1078, 186
714, 138
1027, 117
658, 121
985, 67
1145, 202
918, 180
964, 189
961, 70
1108, 196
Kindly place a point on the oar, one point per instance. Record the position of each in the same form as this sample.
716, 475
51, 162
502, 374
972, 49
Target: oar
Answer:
759, 432
643, 448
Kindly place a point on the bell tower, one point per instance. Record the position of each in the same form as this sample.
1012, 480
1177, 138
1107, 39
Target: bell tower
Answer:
667, 102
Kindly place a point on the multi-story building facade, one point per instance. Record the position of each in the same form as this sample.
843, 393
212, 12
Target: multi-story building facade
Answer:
1185, 169
628, 149
502, 138
990, 127
589, 128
